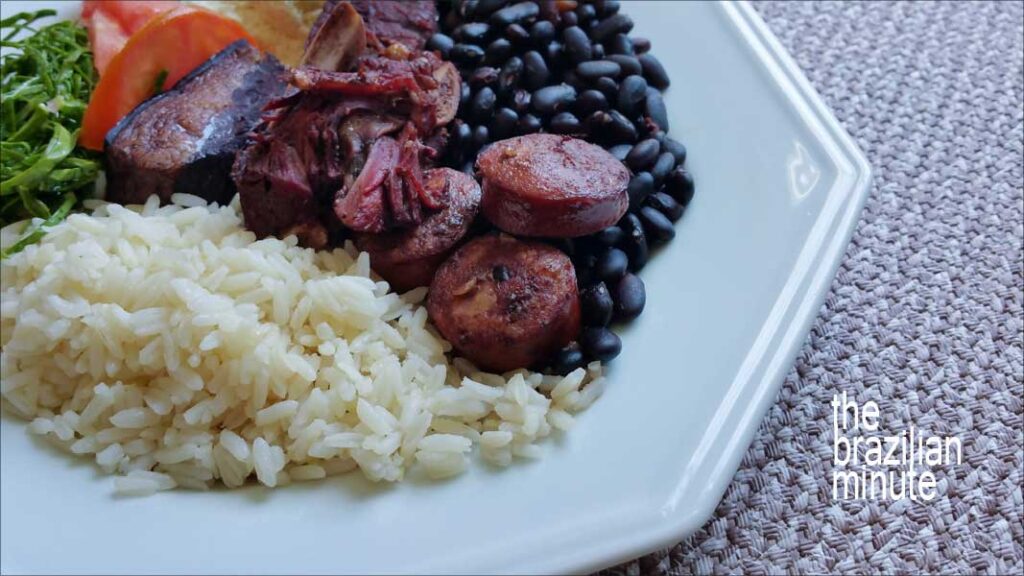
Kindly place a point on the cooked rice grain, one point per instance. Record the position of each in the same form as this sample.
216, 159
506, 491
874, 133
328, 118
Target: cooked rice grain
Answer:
175, 349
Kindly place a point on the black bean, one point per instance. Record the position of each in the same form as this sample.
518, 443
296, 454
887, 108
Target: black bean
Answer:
498, 52
641, 45
442, 43
596, 305
554, 53
620, 151
654, 72
535, 70
521, 101
465, 8
577, 44
643, 154
640, 187
472, 33
568, 359
610, 236
635, 244
597, 51
606, 7
485, 8
679, 185
565, 123
482, 106
541, 33
657, 226
590, 101
611, 265
608, 87
596, 68
584, 262
528, 124
630, 298
504, 123
569, 19
462, 134
655, 106
515, 14
572, 79
586, 12
481, 136
677, 149
517, 34
552, 99
631, 92
465, 96
667, 205
620, 45
615, 24
628, 64
620, 128
483, 76
662, 166
467, 55
509, 76
600, 343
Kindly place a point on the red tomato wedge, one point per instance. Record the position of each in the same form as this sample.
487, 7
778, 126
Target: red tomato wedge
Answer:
170, 45
112, 22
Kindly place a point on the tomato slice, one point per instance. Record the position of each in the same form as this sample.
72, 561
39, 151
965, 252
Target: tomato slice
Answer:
112, 22
171, 45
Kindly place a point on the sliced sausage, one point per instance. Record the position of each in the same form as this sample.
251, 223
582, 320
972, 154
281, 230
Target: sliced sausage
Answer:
553, 186
408, 258
505, 303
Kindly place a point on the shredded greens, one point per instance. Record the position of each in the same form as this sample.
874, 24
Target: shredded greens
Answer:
46, 77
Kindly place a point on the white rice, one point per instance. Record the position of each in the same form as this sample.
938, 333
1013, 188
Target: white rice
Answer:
176, 350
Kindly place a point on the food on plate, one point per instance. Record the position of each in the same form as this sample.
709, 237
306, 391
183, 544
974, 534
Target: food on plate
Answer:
112, 22
507, 163
186, 138
46, 76
576, 69
165, 50
349, 149
169, 345
279, 26
506, 303
552, 186
407, 258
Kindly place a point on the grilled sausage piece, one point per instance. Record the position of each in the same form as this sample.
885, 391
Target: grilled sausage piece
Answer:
505, 303
408, 258
552, 186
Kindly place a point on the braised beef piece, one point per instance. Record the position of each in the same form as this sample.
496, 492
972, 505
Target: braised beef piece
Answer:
185, 139
348, 150
407, 22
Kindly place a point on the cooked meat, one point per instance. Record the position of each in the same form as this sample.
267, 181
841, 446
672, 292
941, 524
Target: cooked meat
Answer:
351, 143
552, 186
408, 258
405, 22
185, 139
505, 303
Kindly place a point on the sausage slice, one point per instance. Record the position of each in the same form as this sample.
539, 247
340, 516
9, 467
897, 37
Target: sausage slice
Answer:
505, 303
553, 186
408, 258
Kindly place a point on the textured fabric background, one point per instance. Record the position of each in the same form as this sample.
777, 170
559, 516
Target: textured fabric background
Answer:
925, 315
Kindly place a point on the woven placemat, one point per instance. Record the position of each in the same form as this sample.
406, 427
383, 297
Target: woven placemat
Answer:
926, 314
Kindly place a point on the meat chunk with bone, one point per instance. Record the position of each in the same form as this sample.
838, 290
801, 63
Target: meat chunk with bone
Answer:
349, 148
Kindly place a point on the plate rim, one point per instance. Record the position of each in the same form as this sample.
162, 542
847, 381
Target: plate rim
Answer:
666, 525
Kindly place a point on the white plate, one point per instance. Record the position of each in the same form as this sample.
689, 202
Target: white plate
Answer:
779, 189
